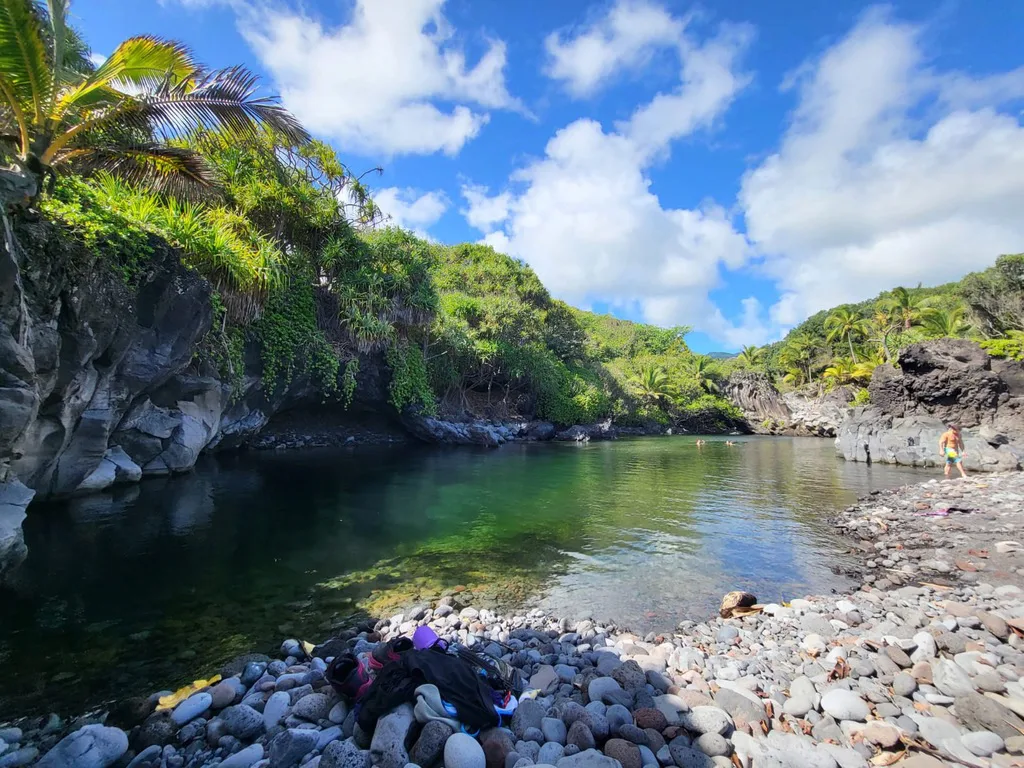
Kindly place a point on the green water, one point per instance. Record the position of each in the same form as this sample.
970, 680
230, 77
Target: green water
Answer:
153, 585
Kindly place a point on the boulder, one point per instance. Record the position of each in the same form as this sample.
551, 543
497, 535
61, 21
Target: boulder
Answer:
936, 383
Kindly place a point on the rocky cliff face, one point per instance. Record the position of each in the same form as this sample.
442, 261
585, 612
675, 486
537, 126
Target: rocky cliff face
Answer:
98, 382
934, 384
796, 413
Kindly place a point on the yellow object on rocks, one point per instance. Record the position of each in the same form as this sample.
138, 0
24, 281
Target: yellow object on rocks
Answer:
174, 699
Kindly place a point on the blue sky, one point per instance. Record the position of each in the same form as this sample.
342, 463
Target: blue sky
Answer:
733, 167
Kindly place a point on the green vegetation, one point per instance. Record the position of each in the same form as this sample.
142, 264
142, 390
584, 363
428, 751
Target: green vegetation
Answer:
844, 345
59, 111
150, 147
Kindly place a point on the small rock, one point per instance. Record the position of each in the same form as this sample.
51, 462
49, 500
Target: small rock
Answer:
430, 745
290, 746
554, 730
706, 720
245, 758
713, 745
627, 753
191, 708
92, 746
579, 735
314, 707
844, 705
982, 743
242, 721
951, 679
463, 751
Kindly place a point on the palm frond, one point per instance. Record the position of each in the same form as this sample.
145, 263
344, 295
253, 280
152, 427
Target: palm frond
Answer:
174, 171
24, 59
137, 66
222, 100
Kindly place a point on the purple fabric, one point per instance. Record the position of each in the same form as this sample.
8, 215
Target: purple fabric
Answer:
423, 638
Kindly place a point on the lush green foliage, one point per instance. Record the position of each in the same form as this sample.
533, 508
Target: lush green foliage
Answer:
409, 382
845, 344
1010, 346
291, 342
116, 239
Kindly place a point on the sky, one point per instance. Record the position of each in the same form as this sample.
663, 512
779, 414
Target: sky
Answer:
733, 167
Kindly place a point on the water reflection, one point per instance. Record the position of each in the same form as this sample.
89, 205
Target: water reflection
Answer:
123, 592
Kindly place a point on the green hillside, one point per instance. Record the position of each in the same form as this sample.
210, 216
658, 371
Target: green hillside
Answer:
843, 345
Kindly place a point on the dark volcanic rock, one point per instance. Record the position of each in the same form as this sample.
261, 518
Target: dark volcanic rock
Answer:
937, 383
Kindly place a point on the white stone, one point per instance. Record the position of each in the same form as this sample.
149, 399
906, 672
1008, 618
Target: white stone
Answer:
844, 705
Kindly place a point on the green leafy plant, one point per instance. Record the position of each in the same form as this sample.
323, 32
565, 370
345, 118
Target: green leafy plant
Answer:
861, 398
1010, 346
409, 382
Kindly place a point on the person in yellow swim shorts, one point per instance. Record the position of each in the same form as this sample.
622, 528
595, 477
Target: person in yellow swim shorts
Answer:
951, 444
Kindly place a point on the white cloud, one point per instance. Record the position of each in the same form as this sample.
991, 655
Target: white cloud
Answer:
410, 209
97, 59
584, 216
625, 37
391, 80
864, 193
484, 212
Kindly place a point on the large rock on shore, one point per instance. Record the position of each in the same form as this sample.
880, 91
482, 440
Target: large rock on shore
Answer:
937, 383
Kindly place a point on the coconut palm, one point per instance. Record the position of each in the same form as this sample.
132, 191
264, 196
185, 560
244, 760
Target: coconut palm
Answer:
905, 307
653, 383
750, 356
57, 110
844, 323
945, 322
699, 369
800, 357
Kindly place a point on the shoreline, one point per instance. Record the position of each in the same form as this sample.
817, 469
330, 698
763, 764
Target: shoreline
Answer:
709, 680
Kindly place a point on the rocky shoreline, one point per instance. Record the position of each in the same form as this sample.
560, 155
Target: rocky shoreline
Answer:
921, 666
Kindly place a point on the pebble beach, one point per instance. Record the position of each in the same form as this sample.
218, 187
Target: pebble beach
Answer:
920, 666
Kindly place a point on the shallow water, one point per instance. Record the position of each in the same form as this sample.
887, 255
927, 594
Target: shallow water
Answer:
145, 588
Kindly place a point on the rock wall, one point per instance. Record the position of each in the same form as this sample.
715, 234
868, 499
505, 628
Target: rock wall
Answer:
801, 413
934, 384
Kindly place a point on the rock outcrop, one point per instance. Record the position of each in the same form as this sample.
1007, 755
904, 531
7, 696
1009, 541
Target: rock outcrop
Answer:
934, 384
801, 413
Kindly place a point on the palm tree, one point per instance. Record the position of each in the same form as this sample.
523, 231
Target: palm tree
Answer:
653, 382
57, 110
699, 369
839, 372
905, 307
750, 356
844, 323
799, 355
883, 323
945, 322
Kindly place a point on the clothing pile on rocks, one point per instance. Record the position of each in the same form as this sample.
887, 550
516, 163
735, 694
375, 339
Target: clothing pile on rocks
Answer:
918, 677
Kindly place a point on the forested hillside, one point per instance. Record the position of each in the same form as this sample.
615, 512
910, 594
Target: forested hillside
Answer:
844, 345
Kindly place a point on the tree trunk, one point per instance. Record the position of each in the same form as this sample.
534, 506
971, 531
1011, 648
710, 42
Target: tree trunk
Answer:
849, 338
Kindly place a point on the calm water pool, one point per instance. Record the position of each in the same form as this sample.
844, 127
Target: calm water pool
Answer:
150, 586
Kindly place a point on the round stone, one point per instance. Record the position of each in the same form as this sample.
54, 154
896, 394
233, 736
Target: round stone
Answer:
463, 751
845, 705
